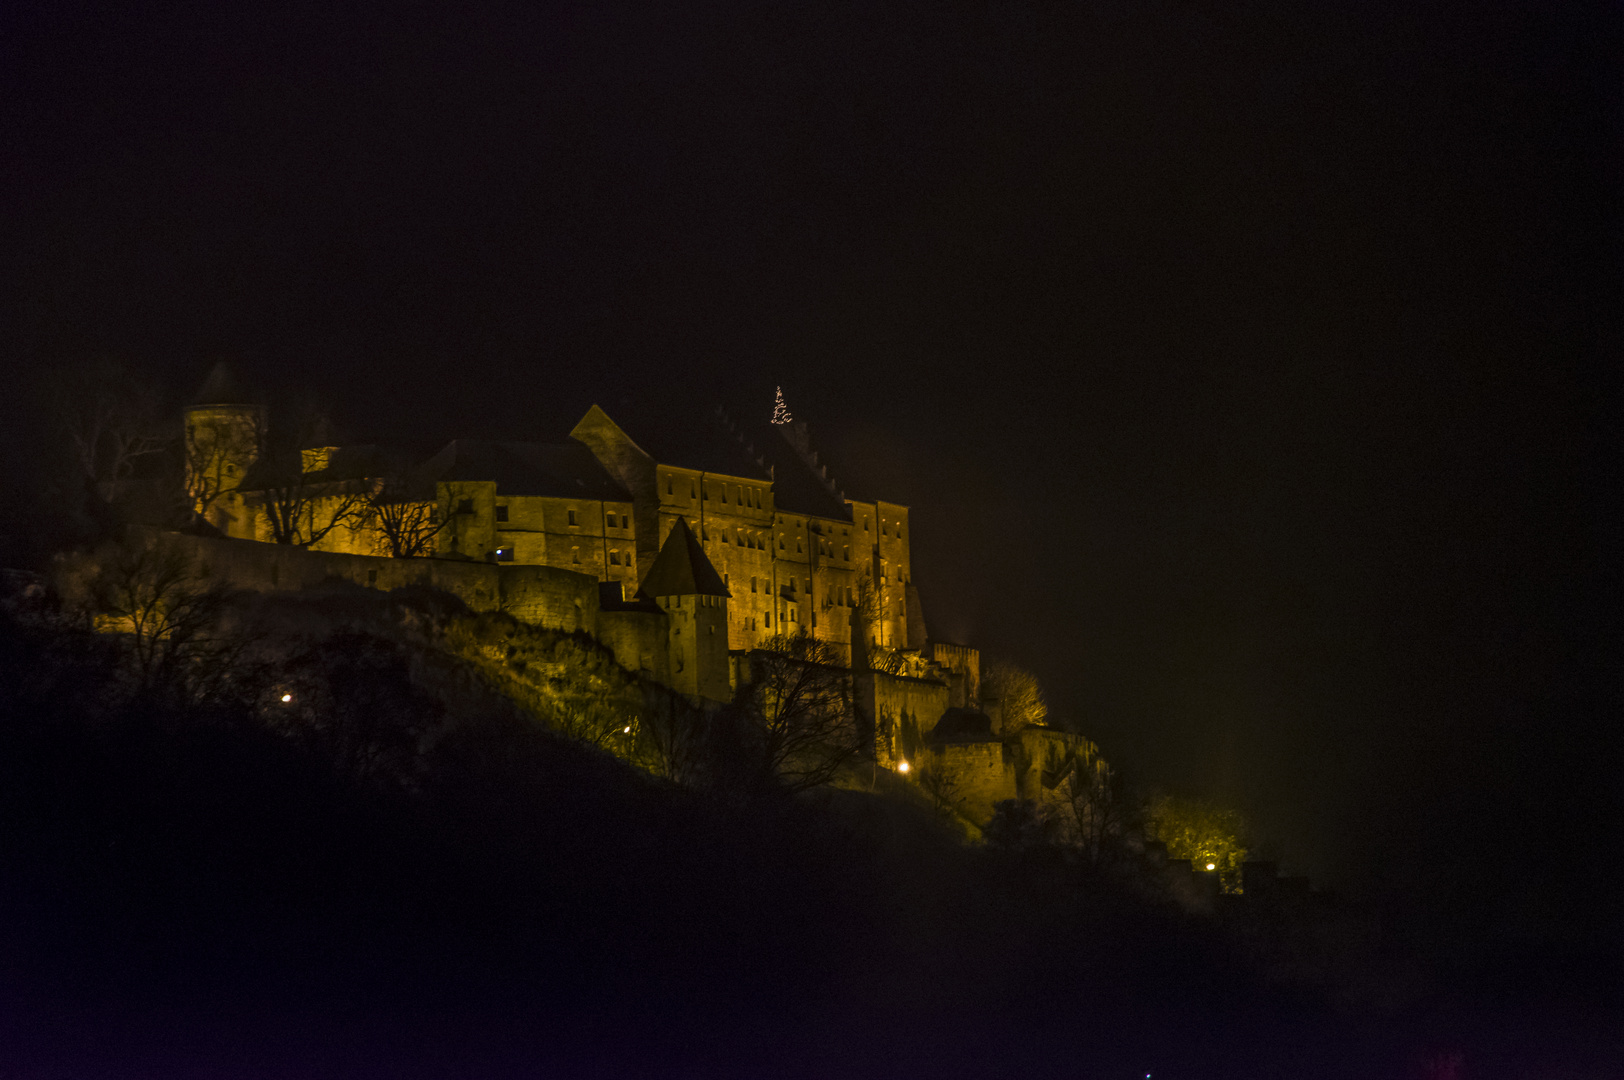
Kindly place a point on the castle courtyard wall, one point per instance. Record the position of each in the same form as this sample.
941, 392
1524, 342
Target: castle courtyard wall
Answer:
972, 776
543, 596
903, 709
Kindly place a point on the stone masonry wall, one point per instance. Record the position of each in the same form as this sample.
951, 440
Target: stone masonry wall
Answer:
543, 596
904, 710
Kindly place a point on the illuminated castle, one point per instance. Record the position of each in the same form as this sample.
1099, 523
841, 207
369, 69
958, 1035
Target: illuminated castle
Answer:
710, 538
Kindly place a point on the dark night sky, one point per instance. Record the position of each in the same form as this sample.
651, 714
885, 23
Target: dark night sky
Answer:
1241, 361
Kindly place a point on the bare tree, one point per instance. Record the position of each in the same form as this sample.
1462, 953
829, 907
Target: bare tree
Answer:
111, 420
800, 702
302, 501
670, 738
940, 786
867, 612
1017, 694
1090, 804
156, 594
353, 700
216, 455
408, 525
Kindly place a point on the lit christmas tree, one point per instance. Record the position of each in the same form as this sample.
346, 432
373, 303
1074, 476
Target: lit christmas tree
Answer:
780, 410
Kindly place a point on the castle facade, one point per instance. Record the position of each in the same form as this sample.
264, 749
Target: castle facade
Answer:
682, 549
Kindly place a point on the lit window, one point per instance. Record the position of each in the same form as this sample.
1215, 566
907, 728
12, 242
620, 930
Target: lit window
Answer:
501, 513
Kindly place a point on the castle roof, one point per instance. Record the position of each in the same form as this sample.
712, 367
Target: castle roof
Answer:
560, 470
799, 485
361, 461
221, 387
673, 439
681, 568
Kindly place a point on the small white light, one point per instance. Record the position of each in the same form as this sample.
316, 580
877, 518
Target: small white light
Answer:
903, 766
628, 729
287, 697
1212, 866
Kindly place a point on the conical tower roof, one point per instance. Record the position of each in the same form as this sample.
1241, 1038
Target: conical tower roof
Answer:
681, 568
222, 388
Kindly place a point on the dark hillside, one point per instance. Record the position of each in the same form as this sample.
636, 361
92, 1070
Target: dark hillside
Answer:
191, 892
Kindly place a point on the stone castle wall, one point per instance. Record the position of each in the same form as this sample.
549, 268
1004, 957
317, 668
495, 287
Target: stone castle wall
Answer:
543, 596
970, 776
903, 709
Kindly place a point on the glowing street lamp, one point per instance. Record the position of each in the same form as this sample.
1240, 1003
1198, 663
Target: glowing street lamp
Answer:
1212, 866
286, 698
903, 766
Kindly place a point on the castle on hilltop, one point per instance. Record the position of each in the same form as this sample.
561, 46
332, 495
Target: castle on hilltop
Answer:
683, 549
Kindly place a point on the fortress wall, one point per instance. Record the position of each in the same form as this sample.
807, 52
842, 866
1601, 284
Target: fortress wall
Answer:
549, 597
973, 775
964, 661
541, 595
639, 641
1044, 755
903, 709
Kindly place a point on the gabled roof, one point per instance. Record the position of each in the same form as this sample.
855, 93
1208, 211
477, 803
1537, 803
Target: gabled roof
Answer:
222, 388
798, 486
561, 470
685, 441
681, 568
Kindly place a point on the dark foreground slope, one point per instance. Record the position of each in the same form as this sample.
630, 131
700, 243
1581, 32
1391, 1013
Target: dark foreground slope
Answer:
187, 893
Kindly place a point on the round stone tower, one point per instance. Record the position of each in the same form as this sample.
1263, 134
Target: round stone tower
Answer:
224, 434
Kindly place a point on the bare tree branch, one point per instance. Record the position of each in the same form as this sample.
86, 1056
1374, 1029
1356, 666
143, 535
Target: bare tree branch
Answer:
800, 700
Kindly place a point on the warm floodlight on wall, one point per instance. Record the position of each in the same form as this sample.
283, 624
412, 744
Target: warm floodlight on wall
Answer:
1212, 866
903, 766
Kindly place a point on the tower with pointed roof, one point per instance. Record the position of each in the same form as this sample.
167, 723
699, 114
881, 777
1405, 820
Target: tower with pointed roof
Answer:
684, 583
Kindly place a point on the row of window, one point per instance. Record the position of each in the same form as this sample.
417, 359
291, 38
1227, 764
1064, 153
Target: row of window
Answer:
612, 519
505, 554
749, 497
